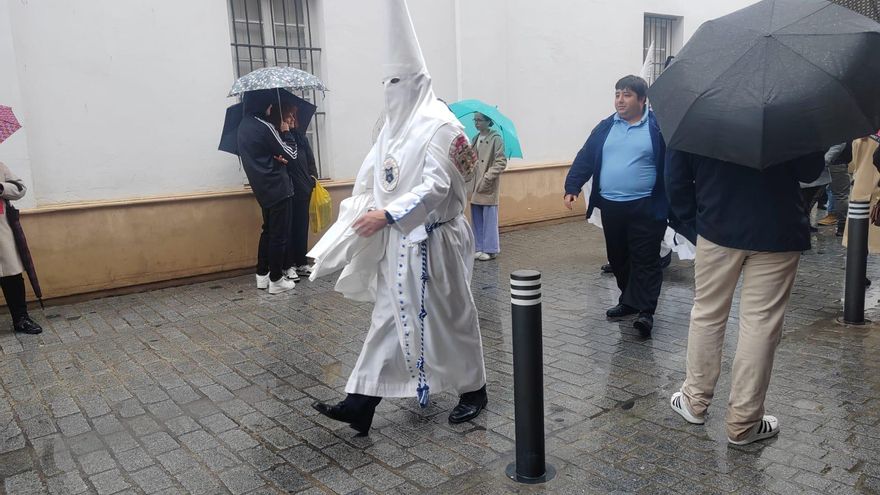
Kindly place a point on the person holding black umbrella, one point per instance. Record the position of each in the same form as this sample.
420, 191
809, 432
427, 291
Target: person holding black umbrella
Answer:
303, 173
11, 267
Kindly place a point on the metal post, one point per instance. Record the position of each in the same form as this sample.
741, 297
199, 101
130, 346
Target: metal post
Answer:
856, 262
528, 379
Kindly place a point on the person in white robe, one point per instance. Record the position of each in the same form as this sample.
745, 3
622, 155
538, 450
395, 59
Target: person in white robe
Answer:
424, 336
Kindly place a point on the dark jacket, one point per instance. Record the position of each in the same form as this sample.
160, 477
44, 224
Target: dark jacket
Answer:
588, 163
257, 147
303, 171
740, 207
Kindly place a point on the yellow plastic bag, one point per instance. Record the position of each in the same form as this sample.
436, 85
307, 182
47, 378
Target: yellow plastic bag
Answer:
320, 208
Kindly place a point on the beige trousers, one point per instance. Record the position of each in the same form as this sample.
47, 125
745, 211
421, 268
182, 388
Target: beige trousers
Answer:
767, 283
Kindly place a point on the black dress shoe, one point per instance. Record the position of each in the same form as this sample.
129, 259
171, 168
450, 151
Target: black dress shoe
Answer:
644, 324
666, 260
620, 311
357, 410
26, 325
606, 268
469, 406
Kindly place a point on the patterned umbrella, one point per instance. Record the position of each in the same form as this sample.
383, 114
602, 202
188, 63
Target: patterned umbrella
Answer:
868, 8
277, 77
8, 123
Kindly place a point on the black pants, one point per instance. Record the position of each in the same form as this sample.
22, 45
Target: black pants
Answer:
632, 239
810, 196
13, 291
299, 234
273, 240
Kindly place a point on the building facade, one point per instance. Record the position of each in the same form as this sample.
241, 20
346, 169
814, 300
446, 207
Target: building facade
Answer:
122, 104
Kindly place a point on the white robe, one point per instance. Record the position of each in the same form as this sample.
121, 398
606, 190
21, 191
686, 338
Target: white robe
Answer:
426, 190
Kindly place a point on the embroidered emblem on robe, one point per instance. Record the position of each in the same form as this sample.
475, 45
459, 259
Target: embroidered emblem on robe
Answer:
390, 174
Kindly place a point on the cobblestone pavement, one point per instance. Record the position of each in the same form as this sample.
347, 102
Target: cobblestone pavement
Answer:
207, 389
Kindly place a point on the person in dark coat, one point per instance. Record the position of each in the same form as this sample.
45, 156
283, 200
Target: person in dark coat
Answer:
303, 174
745, 223
264, 156
624, 155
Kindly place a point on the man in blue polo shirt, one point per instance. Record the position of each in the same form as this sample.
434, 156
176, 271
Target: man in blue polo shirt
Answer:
624, 155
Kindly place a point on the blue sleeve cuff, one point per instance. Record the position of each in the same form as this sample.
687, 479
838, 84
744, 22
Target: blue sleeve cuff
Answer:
389, 218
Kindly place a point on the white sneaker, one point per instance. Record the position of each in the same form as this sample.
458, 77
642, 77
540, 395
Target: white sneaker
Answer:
768, 427
678, 405
478, 254
291, 274
484, 257
262, 281
304, 270
282, 285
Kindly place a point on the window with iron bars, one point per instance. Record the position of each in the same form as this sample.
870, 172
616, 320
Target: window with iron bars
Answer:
665, 34
269, 33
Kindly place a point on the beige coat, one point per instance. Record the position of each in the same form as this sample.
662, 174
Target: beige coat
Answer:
865, 180
13, 189
486, 184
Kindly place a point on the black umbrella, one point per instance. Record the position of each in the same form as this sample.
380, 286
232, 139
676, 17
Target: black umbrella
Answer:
21, 245
253, 101
772, 82
868, 8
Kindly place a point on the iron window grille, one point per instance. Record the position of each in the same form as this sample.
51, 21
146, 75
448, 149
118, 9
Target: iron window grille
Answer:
268, 33
663, 33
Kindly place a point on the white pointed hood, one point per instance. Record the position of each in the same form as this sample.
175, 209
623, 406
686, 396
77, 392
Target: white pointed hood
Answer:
412, 111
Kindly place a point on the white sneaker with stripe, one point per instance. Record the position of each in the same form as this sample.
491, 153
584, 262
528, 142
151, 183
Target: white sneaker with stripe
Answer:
766, 428
678, 405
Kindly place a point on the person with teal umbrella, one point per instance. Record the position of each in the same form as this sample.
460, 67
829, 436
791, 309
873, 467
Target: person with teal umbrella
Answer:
485, 187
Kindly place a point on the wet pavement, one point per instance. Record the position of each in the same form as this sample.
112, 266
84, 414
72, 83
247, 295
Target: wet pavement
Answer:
207, 389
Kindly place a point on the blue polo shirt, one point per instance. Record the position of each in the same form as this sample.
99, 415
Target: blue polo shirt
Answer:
628, 169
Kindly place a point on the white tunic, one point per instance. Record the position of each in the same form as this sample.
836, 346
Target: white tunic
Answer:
425, 191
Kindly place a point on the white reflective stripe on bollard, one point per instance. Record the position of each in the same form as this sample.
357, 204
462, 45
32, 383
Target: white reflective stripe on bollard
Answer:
859, 210
525, 288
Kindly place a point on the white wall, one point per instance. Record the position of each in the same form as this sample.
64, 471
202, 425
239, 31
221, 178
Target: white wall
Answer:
14, 151
126, 98
123, 98
550, 66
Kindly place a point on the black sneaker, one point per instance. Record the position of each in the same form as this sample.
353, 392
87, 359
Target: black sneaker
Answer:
606, 268
26, 325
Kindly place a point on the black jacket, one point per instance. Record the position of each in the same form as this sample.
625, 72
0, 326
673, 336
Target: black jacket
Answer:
258, 144
740, 207
303, 171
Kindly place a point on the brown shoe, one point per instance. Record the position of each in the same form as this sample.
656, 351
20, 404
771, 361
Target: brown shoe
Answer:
829, 219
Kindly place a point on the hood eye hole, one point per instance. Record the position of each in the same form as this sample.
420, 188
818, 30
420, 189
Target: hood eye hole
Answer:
394, 80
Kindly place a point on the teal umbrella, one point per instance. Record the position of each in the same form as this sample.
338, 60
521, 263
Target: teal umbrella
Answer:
464, 111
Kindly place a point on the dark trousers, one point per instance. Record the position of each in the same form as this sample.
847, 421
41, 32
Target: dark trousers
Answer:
273, 240
13, 291
810, 196
299, 234
632, 240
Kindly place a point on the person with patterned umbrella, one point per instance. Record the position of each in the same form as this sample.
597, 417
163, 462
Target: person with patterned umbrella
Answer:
15, 257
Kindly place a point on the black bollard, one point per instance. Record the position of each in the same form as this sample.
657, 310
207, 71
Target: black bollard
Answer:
856, 262
528, 379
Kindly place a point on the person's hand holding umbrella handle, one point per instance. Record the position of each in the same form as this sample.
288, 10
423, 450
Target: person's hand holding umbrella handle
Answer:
570, 199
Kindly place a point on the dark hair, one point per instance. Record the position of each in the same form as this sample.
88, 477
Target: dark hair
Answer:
489, 121
635, 84
275, 117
